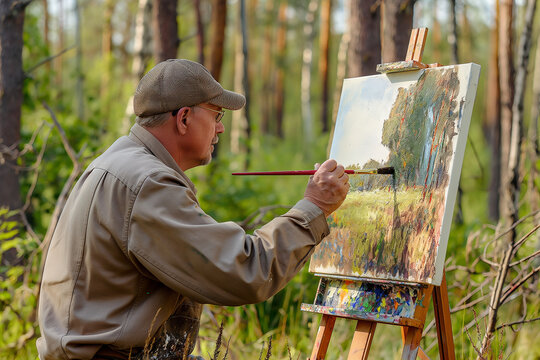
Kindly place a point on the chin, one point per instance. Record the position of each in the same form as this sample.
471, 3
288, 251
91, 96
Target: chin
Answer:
206, 161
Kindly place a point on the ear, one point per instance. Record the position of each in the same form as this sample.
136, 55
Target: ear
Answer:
182, 120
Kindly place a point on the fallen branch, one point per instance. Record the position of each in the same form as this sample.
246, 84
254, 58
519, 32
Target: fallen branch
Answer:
47, 59
77, 161
509, 292
526, 321
69, 150
525, 237
535, 254
511, 228
462, 304
35, 166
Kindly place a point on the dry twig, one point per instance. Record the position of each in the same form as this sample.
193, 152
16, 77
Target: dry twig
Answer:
78, 161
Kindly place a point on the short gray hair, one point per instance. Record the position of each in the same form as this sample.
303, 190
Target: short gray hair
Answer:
153, 120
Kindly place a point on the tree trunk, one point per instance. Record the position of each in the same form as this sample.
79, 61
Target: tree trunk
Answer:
324, 49
533, 148
219, 20
453, 33
126, 53
106, 42
58, 62
200, 30
267, 103
506, 73
106, 54
492, 125
467, 34
365, 41
307, 60
280, 73
514, 161
435, 30
245, 80
143, 40
165, 30
453, 40
46, 27
11, 97
238, 121
142, 53
397, 21
79, 86
340, 76
512, 184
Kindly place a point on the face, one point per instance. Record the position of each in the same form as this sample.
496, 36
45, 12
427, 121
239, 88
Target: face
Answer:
202, 134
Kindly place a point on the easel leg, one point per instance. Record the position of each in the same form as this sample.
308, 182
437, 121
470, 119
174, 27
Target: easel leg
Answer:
363, 335
323, 337
412, 344
421, 354
442, 319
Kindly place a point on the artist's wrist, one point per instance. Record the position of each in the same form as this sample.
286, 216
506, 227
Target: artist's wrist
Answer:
319, 205
314, 216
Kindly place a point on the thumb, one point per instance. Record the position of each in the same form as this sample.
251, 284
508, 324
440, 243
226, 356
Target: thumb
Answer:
317, 166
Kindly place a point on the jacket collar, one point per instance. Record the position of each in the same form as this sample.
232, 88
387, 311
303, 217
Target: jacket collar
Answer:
145, 138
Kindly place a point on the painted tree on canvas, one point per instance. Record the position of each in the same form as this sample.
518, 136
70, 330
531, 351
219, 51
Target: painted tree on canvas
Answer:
421, 119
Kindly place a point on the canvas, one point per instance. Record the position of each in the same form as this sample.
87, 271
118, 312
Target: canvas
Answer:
396, 227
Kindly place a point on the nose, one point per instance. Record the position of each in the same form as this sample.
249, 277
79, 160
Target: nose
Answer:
220, 128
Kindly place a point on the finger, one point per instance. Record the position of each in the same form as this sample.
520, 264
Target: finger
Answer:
339, 171
317, 166
329, 165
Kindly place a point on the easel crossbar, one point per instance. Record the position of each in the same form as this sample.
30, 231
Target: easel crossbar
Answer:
361, 315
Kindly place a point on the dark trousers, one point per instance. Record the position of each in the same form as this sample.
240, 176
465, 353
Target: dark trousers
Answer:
174, 340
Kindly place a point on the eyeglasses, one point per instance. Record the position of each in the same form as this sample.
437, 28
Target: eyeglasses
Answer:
218, 118
219, 115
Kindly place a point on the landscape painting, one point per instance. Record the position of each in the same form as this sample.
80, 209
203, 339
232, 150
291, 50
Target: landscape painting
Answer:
396, 227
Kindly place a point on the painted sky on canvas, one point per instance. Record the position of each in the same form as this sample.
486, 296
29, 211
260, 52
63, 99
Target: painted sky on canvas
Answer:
359, 129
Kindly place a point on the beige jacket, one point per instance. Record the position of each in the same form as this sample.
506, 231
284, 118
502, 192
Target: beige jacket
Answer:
133, 244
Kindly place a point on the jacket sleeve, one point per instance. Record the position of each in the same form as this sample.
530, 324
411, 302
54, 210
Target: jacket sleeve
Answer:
217, 263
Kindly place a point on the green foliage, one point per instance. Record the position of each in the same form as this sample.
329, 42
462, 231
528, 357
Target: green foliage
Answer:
18, 295
228, 197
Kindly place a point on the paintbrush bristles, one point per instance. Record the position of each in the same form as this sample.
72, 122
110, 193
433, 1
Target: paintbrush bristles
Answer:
386, 171
379, 171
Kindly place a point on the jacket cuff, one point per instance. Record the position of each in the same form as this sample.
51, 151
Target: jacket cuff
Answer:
314, 217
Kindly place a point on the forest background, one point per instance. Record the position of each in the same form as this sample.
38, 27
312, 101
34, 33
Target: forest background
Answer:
69, 67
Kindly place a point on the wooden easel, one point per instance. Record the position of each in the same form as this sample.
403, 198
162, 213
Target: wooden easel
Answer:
418, 295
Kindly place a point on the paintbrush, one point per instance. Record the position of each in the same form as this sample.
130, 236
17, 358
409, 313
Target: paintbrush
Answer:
379, 171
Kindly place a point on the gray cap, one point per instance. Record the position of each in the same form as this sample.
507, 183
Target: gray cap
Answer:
175, 83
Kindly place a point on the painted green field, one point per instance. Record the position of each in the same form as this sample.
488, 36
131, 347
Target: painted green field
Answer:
383, 234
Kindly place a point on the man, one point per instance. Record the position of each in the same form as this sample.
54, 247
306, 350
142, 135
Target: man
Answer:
134, 256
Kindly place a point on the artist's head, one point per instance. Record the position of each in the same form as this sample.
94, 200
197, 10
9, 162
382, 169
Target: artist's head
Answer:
181, 104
